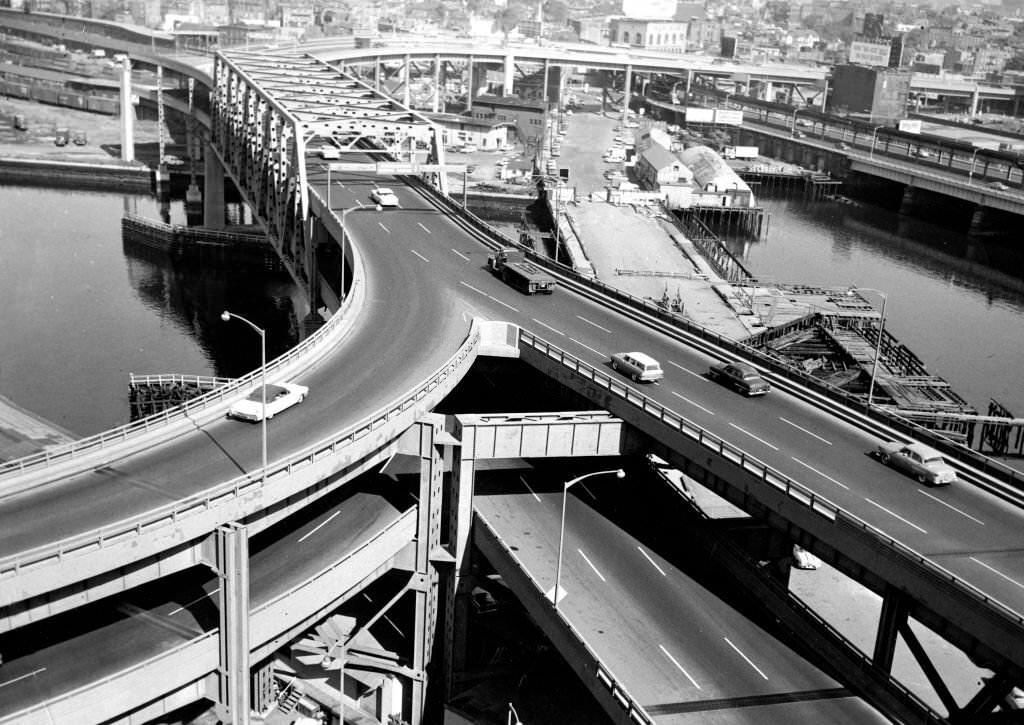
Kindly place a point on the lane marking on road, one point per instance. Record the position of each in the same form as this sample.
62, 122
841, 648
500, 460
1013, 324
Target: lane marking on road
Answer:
542, 324
425, 229
801, 428
475, 289
896, 515
420, 256
591, 564
653, 562
823, 475
33, 673
581, 344
529, 489
589, 322
194, 601
504, 304
749, 662
461, 254
381, 225
319, 526
760, 440
679, 666
696, 405
950, 506
687, 370
490, 297
997, 572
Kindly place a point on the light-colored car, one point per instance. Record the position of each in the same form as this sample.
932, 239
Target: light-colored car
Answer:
279, 397
638, 366
918, 460
384, 196
998, 185
741, 376
330, 153
470, 148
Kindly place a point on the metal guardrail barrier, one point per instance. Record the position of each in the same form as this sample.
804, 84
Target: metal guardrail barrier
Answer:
773, 478
251, 482
584, 285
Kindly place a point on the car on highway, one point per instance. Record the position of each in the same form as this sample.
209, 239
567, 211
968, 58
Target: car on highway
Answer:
383, 196
638, 366
918, 460
998, 185
614, 175
331, 153
279, 398
742, 376
799, 134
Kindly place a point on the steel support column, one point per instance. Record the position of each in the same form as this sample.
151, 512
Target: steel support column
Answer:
213, 191
226, 552
469, 84
627, 87
547, 71
508, 81
406, 80
893, 616
436, 104
127, 113
459, 584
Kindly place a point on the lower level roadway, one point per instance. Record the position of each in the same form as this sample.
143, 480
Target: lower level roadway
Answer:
71, 651
680, 651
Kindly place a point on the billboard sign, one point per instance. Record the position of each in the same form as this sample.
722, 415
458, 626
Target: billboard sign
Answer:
700, 115
910, 125
728, 117
867, 53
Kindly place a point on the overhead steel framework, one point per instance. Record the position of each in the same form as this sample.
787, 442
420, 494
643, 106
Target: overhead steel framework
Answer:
266, 110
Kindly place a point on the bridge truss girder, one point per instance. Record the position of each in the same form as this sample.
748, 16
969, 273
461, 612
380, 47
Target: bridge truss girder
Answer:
267, 108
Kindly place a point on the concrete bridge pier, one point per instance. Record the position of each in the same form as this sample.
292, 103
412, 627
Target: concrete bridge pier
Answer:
911, 200
435, 103
459, 583
508, 80
127, 114
213, 198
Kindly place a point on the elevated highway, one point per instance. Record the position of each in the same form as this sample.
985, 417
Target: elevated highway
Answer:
140, 504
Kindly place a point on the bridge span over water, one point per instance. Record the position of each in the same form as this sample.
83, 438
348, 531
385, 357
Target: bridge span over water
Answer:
171, 496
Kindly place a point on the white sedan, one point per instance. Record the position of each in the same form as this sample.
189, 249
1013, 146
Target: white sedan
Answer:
279, 397
384, 196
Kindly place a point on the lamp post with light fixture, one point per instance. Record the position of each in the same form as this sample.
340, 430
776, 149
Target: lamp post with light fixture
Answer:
226, 316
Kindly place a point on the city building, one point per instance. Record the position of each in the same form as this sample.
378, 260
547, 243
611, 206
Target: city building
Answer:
664, 35
876, 94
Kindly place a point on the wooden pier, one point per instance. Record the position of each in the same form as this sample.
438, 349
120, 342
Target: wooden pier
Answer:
235, 247
150, 394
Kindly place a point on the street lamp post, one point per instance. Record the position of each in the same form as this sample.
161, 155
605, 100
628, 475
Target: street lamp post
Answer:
792, 125
970, 171
226, 316
878, 345
619, 473
874, 136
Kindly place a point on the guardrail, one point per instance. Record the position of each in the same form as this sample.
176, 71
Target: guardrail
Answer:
768, 475
595, 289
602, 672
251, 483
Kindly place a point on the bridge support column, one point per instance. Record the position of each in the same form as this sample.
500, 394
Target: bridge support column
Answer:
547, 71
628, 88
459, 585
508, 82
127, 114
980, 222
406, 79
376, 74
213, 191
469, 85
436, 101
909, 201
975, 98
226, 552
893, 616
429, 554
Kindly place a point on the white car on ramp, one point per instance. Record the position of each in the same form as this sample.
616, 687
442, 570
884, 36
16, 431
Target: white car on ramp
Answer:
279, 397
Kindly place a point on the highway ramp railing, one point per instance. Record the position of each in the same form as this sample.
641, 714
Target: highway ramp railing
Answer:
211, 507
885, 549
1009, 482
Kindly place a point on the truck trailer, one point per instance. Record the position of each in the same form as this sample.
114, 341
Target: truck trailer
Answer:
512, 266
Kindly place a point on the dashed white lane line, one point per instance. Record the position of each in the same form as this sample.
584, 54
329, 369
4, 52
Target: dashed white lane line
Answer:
381, 225
896, 515
652, 561
950, 506
318, 526
532, 492
420, 256
542, 324
591, 564
427, 230
759, 440
997, 572
359, 203
464, 257
589, 322
33, 673
194, 601
504, 304
823, 475
490, 297
679, 666
696, 405
687, 370
749, 662
596, 352
800, 428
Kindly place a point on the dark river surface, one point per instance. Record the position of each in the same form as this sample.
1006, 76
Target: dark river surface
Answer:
80, 309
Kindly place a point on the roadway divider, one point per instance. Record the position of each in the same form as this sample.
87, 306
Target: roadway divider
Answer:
116, 443
997, 477
901, 565
188, 518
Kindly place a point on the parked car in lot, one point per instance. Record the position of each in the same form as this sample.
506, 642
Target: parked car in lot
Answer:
741, 376
918, 460
384, 196
279, 397
638, 366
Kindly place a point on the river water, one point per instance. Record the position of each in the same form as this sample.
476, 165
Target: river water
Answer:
80, 309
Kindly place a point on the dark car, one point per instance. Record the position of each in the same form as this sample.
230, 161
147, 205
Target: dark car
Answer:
741, 376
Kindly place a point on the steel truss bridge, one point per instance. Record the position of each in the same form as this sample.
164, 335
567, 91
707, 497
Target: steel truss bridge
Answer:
181, 491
